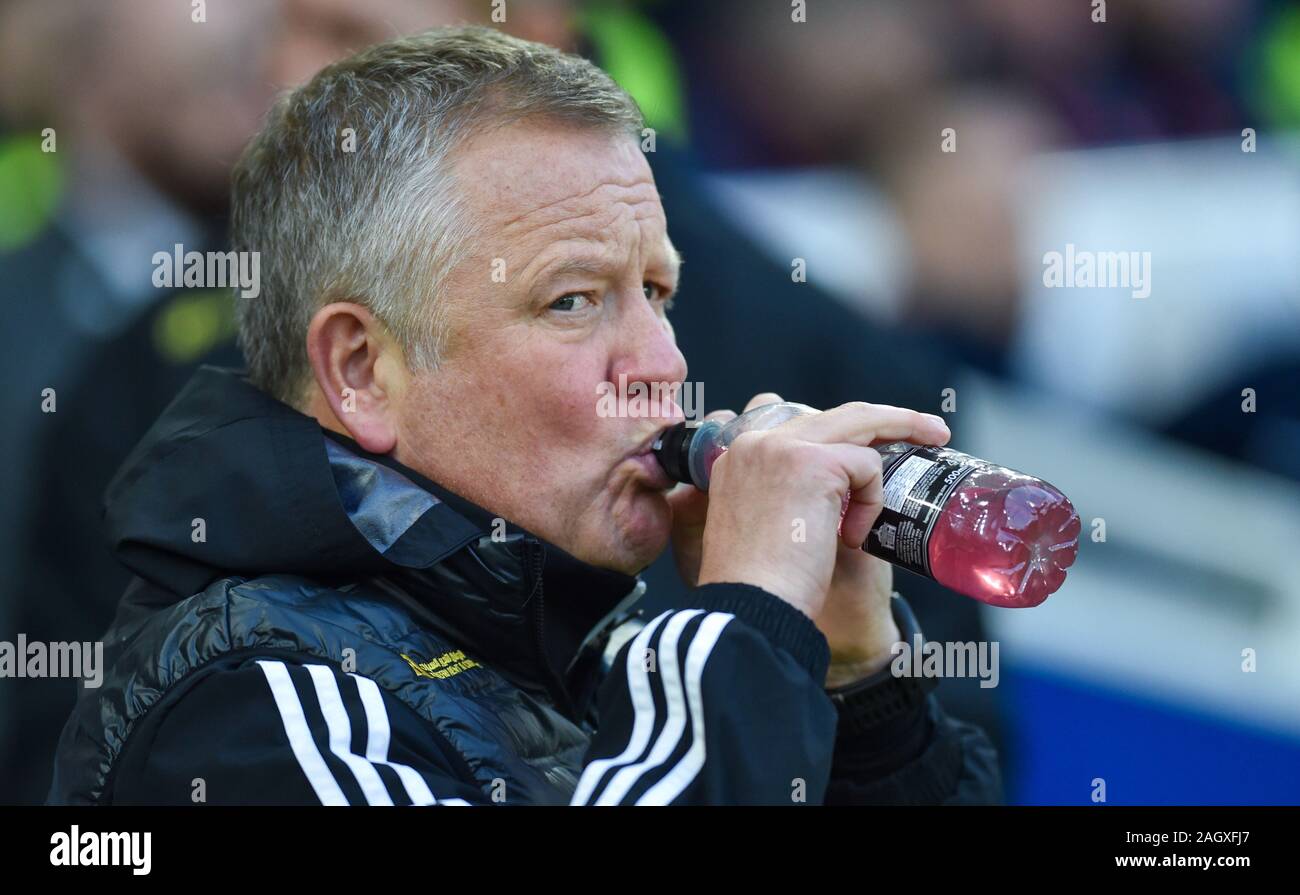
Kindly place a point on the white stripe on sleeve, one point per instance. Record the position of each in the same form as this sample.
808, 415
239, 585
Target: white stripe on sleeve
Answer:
644, 719
300, 740
685, 771
377, 740
675, 724
340, 735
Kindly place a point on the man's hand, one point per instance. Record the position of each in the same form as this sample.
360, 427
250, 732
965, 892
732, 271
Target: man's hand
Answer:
779, 520
857, 620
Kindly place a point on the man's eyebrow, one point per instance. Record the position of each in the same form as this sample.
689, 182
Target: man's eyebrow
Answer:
675, 260
596, 266
592, 266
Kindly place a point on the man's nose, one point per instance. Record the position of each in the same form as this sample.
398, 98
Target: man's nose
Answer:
646, 349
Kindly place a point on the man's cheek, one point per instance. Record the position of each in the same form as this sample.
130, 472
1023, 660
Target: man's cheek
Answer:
572, 410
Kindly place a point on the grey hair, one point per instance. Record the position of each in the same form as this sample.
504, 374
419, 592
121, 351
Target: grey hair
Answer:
383, 226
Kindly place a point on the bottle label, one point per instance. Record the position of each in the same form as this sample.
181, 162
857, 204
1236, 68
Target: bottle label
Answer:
917, 484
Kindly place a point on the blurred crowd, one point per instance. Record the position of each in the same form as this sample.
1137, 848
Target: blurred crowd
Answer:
768, 128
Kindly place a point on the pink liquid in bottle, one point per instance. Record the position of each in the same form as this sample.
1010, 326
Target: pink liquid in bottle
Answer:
1004, 538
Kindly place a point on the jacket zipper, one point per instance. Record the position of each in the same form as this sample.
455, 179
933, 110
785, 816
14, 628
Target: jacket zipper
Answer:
537, 556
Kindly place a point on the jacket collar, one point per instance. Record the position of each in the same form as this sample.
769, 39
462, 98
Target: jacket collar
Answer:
532, 611
277, 495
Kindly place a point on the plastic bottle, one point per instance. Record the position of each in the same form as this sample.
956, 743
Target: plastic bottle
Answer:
983, 530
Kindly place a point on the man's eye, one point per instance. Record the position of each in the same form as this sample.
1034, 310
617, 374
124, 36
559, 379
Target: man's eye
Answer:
655, 292
569, 302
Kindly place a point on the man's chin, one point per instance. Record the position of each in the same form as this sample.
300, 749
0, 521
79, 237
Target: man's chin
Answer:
634, 542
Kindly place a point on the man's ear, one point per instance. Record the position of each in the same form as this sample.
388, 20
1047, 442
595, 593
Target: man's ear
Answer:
359, 372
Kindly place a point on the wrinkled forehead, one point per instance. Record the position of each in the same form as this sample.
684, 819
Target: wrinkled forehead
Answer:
526, 177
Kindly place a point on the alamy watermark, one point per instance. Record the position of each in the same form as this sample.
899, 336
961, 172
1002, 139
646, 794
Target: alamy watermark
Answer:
211, 270
656, 400
1082, 269
100, 849
57, 659
933, 658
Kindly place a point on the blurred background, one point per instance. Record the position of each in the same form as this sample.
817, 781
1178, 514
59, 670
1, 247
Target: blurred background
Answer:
782, 132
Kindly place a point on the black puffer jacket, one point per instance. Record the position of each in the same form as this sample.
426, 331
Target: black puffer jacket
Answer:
313, 624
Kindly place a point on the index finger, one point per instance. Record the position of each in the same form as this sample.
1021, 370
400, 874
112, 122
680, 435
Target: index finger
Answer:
763, 398
868, 424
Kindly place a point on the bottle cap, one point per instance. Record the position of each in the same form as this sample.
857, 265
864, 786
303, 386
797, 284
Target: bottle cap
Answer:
673, 451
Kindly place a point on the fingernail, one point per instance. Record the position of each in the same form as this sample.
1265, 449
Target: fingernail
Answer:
938, 419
